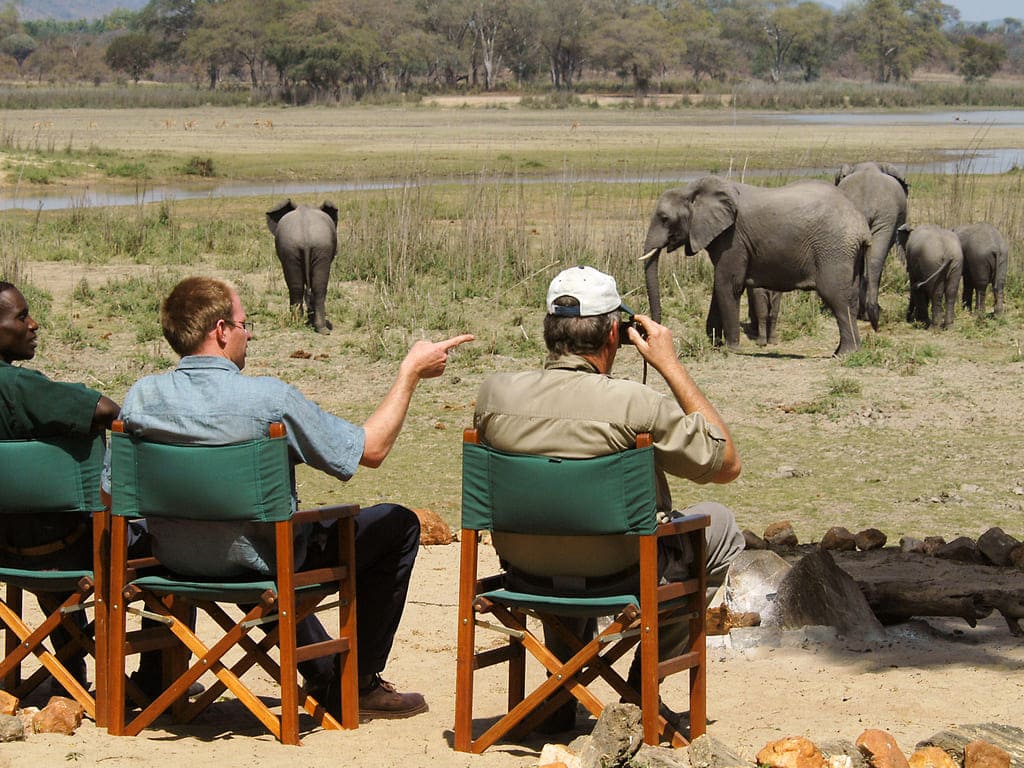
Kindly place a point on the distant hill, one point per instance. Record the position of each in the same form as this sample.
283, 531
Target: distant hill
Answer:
72, 10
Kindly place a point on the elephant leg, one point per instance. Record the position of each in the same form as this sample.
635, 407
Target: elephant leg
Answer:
293, 278
774, 305
713, 325
727, 292
874, 264
949, 303
320, 272
758, 308
980, 299
997, 300
968, 297
839, 292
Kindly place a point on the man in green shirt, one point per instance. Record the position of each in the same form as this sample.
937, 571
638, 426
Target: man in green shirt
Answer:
32, 406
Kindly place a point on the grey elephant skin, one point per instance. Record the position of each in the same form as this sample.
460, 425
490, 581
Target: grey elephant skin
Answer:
306, 240
763, 308
803, 236
935, 264
986, 258
879, 192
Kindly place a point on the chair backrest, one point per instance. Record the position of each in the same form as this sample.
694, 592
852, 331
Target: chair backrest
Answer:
250, 480
517, 493
60, 474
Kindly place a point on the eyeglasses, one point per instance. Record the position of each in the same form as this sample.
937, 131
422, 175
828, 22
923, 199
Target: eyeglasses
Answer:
247, 325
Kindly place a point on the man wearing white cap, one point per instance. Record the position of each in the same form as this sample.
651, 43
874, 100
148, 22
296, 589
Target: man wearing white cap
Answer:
573, 408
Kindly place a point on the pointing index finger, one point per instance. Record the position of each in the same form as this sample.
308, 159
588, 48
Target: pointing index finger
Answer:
449, 344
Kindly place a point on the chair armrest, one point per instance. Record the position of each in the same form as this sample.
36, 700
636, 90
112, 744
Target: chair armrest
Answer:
686, 524
320, 514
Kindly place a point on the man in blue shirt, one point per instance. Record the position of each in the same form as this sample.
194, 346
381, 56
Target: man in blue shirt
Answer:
207, 400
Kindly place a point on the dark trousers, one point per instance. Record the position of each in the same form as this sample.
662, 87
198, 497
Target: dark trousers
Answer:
387, 541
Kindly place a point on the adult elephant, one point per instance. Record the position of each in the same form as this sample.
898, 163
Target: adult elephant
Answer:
803, 236
985, 262
935, 263
879, 192
306, 240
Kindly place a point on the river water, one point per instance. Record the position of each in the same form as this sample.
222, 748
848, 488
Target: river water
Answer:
964, 160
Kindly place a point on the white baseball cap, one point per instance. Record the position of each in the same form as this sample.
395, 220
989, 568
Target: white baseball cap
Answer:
595, 291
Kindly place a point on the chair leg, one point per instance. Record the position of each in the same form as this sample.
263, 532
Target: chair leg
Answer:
465, 663
14, 601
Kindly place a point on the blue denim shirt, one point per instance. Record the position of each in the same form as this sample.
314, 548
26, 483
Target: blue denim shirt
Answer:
206, 400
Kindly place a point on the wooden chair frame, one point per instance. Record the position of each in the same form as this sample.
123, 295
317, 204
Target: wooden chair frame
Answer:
276, 611
630, 625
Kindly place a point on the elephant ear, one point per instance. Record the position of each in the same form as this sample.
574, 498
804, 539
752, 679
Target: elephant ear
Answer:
845, 170
891, 170
275, 215
331, 210
713, 212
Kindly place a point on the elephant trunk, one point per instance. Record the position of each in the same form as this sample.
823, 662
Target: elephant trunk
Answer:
651, 278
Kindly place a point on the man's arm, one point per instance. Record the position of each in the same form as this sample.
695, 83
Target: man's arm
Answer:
660, 352
425, 360
105, 413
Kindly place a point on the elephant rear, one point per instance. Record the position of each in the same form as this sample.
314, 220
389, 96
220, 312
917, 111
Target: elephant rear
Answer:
986, 259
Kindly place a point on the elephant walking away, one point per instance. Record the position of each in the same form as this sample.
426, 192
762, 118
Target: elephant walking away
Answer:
803, 236
985, 261
763, 307
879, 192
935, 264
306, 240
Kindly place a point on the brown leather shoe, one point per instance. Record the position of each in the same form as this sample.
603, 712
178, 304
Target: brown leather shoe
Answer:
381, 700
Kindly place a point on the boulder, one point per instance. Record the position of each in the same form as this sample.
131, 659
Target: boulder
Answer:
8, 703
869, 538
60, 715
781, 534
838, 538
817, 591
962, 549
997, 546
932, 757
752, 577
981, 754
11, 728
881, 750
707, 752
616, 737
791, 752
433, 530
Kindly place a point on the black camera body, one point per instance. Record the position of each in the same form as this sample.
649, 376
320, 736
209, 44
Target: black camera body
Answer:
625, 325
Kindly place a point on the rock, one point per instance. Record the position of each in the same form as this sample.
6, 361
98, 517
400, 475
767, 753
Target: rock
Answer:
842, 753
1007, 737
11, 728
932, 757
961, 549
869, 539
910, 544
752, 541
932, 544
433, 530
26, 715
981, 754
60, 715
8, 703
660, 757
556, 755
1017, 557
780, 534
817, 591
752, 577
881, 750
720, 620
616, 737
996, 546
838, 538
791, 752
707, 752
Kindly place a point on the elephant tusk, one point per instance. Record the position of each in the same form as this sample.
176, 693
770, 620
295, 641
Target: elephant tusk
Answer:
648, 255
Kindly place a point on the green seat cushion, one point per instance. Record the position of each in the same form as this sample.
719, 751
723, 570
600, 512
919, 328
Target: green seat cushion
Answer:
233, 591
563, 606
43, 581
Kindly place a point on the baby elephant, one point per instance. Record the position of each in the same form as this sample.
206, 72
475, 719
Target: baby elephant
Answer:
985, 262
306, 240
935, 263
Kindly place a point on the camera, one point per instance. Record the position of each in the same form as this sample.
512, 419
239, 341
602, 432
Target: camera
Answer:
624, 325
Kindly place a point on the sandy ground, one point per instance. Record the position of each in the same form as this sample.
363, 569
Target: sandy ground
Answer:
923, 679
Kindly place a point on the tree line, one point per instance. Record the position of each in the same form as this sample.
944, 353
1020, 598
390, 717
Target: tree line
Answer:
322, 50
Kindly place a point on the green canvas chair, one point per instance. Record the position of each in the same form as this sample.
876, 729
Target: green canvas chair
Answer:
248, 481
45, 476
539, 495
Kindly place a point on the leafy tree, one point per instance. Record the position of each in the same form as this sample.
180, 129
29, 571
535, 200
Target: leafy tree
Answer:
893, 37
813, 42
979, 60
638, 44
567, 32
18, 46
132, 53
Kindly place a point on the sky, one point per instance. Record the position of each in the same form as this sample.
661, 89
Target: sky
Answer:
976, 10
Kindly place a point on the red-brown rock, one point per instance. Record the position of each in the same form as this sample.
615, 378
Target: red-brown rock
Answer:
60, 715
881, 750
791, 752
981, 754
932, 757
8, 704
780, 534
839, 539
869, 538
433, 530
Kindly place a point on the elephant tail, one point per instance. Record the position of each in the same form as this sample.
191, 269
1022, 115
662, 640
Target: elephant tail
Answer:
931, 278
